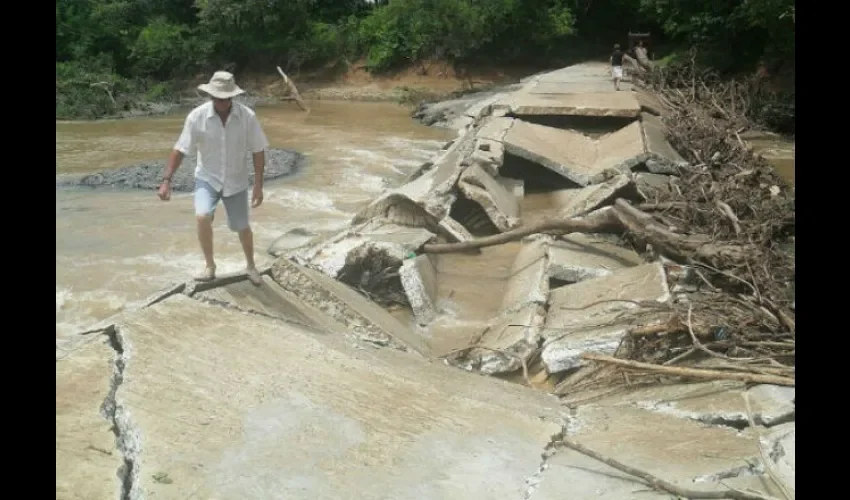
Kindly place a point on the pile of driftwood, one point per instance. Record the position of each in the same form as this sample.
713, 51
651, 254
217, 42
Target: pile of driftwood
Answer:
728, 225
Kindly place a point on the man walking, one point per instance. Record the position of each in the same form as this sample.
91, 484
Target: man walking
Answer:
616, 61
222, 133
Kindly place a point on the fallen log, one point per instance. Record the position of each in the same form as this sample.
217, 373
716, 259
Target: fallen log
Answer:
292, 90
601, 222
692, 372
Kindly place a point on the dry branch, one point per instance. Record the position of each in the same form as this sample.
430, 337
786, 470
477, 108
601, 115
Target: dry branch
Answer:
293, 90
693, 372
658, 483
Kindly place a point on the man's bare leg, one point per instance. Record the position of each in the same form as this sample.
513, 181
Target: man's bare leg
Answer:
205, 238
246, 237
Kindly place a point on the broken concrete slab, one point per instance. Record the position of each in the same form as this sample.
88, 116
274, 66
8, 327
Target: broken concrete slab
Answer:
587, 199
529, 281
88, 464
621, 104
500, 205
593, 315
419, 279
330, 255
488, 155
662, 158
781, 446
454, 230
658, 444
508, 341
647, 183
712, 403
650, 104
364, 320
270, 299
494, 128
577, 87
576, 257
575, 156
426, 200
301, 416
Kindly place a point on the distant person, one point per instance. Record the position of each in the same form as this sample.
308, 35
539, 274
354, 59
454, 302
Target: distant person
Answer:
640, 52
222, 133
616, 61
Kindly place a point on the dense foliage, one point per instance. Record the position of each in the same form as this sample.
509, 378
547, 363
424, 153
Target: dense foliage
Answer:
128, 45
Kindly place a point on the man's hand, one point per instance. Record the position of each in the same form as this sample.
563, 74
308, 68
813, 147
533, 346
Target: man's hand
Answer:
165, 191
257, 198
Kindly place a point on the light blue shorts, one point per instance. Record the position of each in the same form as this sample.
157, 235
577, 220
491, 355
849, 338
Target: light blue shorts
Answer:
236, 206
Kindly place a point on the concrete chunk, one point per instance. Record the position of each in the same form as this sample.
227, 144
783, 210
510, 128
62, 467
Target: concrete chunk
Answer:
329, 255
576, 87
364, 320
500, 205
575, 156
588, 199
419, 279
296, 415
454, 230
664, 159
593, 315
577, 257
87, 460
508, 339
529, 281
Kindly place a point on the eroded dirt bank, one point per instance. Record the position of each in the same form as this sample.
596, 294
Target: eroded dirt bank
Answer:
310, 385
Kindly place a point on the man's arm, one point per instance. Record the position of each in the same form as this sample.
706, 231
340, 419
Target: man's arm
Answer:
259, 167
257, 144
171, 166
185, 144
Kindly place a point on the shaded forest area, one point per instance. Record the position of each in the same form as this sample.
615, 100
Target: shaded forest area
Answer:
111, 54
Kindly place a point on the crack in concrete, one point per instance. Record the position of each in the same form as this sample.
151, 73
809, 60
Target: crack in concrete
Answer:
551, 448
126, 435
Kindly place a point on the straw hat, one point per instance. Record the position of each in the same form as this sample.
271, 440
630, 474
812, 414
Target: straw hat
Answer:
221, 86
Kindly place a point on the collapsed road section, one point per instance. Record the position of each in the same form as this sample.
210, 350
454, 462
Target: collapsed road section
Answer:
357, 365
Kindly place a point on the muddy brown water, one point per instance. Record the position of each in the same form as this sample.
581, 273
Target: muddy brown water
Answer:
113, 249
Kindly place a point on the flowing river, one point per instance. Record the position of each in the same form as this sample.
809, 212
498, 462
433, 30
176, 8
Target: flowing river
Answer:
114, 248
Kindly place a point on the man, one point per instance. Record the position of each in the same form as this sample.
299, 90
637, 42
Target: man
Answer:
616, 61
222, 133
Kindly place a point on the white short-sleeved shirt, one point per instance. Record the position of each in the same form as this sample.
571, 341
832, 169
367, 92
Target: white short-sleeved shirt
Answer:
222, 150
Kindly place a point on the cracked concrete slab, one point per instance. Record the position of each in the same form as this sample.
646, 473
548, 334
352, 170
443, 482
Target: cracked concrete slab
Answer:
500, 205
622, 104
330, 255
662, 445
297, 415
663, 159
781, 445
593, 315
577, 257
87, 461
507, 340
577, 87
712, 403
574, 155
419, 279
364, 320
494, 128
587, 199
270, 299
528, 282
